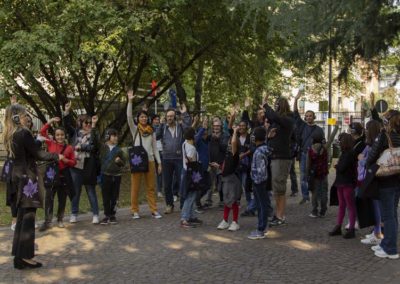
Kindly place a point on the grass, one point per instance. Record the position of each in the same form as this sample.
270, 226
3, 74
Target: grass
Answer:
84, 206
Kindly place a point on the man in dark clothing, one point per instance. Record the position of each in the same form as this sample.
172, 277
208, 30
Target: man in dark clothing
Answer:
306, 129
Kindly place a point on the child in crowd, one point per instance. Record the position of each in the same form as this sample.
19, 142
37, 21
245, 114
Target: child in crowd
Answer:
231, 186
112, 161
346, 176
188, 219
259, 176
61, 177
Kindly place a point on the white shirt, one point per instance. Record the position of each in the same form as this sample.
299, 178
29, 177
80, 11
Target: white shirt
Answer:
190, 151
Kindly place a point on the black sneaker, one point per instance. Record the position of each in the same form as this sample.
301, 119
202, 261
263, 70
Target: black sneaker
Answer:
105, 221
321, 214
248, 213
113, 220
195, 221
304, 200
276, 222
186, 224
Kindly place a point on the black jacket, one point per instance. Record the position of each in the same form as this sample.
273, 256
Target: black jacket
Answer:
346, 169
26, 153
280, 144
380, 145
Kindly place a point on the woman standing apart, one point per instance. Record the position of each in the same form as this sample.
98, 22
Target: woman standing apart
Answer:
143, 135
20, 145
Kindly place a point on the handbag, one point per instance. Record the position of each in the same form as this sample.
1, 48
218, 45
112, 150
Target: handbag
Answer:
195, 180
389, 161
7, 170
138, 158
51, 173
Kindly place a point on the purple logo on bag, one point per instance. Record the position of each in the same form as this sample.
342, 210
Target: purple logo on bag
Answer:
30, 189
196, 177
7, 168
51, 173
136, 160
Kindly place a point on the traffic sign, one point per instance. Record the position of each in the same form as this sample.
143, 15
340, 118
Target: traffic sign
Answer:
381, 106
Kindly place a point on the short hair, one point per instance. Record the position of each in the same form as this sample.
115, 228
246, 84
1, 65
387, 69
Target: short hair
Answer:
112, 132
259, 134
189, 133
356, 128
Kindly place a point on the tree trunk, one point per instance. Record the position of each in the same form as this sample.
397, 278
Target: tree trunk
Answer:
198, 89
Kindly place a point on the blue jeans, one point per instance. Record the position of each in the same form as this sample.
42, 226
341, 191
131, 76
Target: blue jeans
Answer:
77, 179
389, 198
263, 201
171, 168
182, 188
251, 204
188, 206
293, 178
303, 176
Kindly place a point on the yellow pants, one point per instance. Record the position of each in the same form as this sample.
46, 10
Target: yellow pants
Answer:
150, 183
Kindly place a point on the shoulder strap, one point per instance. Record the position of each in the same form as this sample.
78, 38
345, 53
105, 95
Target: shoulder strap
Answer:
140, 137
309, 135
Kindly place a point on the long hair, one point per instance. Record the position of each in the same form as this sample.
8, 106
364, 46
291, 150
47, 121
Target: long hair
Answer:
373, 128
11, 126
282, 106
393, 121
346, 141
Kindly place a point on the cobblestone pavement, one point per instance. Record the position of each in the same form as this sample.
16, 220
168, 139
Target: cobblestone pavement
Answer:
159, 251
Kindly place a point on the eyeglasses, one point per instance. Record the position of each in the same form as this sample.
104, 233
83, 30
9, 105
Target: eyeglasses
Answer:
87, 122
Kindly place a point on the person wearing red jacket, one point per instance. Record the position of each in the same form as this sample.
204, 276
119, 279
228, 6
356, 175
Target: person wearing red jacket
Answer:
58, 178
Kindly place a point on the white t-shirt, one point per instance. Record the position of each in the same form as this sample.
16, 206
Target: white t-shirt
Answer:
190, 151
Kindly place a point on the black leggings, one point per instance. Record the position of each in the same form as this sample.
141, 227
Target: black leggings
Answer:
24, 235
49, 202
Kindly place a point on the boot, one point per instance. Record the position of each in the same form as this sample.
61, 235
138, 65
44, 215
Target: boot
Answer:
337, 231
350, 234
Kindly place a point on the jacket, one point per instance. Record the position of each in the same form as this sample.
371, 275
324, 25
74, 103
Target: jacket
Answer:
380, 145
346, 169
24, 173
108, 164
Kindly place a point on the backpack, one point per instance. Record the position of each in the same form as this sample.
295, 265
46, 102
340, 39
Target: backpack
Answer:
195, 180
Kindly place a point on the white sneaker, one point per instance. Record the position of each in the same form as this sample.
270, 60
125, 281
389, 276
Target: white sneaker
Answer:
371, 241
95, 219
135, 215
234, 227
159, 195
175, 198
156, 215
36, 226
376, 248
223, 225
73, 219
13, 226
382, 254
370, 235
356, 226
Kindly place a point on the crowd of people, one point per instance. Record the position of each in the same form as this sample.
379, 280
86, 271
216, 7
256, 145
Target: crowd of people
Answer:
183, 157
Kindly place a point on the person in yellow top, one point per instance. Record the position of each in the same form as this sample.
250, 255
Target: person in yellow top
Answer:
143, 134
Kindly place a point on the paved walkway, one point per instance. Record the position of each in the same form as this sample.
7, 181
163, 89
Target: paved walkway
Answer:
159, 251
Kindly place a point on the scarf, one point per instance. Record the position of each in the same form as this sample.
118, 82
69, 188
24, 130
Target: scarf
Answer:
82, 139
145, 130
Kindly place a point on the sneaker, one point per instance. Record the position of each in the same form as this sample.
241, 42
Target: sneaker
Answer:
159, 195
223, 225
156, 215
95, 219
371, 241
198, 210
13, 226
356, 226
382, 254
376, 248
36, 225
113, 220
60, 224
186, 224
105, 221
208, 204
45, 226
175, 198
195, 221
321, 214
303, 201
234, 227
73, 219
169, 209
313, 215
135, 215
370, 235
256, 235
337, 231
248, 213
350, 234
276, 222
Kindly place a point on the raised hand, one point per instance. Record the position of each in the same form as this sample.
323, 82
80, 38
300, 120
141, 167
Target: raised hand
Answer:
54, 119
205, 123
145, 107
67, 107
95, 119
13, 99
183, 108
130, 95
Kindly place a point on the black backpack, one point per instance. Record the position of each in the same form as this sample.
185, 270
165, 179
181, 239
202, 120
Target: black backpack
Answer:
138, 158
195, 180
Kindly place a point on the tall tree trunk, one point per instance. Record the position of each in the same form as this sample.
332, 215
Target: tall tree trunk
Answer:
198, 89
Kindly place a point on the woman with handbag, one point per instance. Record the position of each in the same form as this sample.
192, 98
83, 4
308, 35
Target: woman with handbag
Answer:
385, 153
86, 142
20, 145
58, 175
141, 158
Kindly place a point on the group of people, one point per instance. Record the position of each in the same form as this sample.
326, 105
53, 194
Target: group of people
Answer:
180, 156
